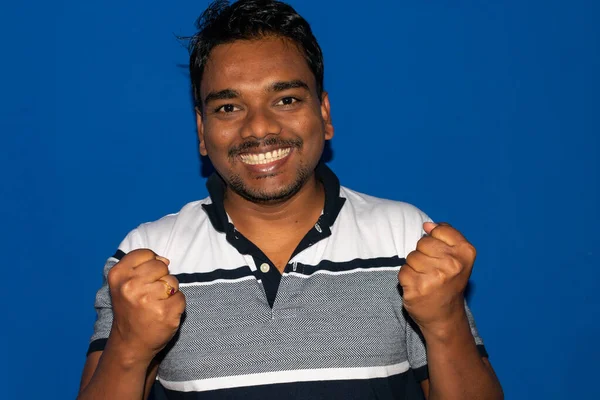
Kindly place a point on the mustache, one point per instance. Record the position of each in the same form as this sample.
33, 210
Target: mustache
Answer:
268, 141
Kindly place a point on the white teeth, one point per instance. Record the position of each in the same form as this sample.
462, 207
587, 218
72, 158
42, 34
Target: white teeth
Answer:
264, 158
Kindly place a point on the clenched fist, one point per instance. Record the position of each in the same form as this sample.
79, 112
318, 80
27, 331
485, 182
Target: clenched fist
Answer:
147, 303
434, 278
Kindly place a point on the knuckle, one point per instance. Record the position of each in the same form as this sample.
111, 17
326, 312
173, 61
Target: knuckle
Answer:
162, 267
144, 300
452, 266
144, 252
138, 256
401, 277
180, 302
161, 313
411, 256
440, 278
159, 266
470, 250
175, 322
404, 274
113, 275
408, 297
424, 243
420, 289
128, 288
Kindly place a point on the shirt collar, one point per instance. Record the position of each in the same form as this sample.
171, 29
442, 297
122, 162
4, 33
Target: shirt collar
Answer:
331, 184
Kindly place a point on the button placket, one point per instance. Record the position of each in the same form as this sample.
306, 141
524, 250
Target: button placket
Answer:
264, 268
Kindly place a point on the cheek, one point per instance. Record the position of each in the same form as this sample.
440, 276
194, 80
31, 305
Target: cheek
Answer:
308, 126
218, 137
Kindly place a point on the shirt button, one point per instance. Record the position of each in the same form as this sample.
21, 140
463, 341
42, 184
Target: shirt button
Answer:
264, 267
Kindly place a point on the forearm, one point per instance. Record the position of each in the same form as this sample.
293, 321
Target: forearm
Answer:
117, 376
456, 369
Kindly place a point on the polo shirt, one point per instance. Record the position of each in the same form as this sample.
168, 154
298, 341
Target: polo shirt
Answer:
330, 326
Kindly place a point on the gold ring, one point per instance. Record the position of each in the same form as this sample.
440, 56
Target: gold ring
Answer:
170, 289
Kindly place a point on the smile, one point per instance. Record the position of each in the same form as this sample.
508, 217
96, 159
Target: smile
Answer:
265, 158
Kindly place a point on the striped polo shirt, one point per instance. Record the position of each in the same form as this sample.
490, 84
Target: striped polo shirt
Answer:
331, 326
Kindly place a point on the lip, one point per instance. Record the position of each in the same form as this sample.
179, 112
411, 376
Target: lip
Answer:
269, 167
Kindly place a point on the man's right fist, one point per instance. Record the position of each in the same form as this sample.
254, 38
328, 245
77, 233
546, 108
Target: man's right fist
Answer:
147, 303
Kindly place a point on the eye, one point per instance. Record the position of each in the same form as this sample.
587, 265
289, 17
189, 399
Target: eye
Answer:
226, 108
287, 101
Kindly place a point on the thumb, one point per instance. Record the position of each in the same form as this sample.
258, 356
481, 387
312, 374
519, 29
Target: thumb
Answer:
163, 259
429, 226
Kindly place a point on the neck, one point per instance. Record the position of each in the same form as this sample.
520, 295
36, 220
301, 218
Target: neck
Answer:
252, 219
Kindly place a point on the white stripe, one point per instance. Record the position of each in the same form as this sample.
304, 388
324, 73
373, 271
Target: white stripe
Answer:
300, 375
352, 271
245, 278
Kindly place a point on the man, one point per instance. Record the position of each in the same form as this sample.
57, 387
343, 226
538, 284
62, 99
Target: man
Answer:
282, 284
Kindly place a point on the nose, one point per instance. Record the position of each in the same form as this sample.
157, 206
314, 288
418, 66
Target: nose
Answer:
260, 123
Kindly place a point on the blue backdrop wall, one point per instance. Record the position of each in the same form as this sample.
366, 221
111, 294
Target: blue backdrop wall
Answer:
98, 136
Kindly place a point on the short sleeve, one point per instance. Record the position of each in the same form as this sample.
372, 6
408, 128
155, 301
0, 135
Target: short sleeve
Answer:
103, 303
417, 351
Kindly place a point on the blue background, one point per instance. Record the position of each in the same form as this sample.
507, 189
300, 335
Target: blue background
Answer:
483, 114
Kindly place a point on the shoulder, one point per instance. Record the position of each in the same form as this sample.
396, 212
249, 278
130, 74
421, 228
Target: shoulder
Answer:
365, 207
388, 226
156, 234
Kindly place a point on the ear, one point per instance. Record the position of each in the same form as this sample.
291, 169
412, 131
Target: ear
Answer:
200, 129
326, 115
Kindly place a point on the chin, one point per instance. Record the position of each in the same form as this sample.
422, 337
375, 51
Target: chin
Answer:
271, 196
269, 188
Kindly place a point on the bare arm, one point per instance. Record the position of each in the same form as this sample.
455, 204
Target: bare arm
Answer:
106, 378
147, 308
456, 369
433, 281
465, 381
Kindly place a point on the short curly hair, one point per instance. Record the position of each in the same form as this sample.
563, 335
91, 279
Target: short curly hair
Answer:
223, 22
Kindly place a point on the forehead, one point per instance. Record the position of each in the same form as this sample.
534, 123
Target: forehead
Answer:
255, 63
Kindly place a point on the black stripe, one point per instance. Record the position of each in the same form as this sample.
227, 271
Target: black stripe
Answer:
482, 351
369, 263
96, 345
119, 254
227, 274
421, 373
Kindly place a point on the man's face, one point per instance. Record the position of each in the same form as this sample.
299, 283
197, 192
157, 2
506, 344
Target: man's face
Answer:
262, 124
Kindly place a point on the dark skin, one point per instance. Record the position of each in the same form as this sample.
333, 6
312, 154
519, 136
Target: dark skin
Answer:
270, 93
433, 281
263, 125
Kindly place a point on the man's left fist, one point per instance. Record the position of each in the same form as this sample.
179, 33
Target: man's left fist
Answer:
434, 278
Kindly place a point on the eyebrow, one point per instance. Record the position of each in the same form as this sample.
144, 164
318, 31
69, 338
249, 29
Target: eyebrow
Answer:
280, 86
285, 85
221, 95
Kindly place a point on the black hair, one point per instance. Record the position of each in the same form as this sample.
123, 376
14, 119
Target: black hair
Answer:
224, 23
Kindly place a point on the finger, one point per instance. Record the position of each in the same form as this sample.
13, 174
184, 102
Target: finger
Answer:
163, 259
137, 257
407, 276
409, 280
421, 263
176, 303
166, 287
432, 247
151, 271
445, 233
429, 226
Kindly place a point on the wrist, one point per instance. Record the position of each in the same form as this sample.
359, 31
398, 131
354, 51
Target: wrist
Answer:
447, 330
125, 355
